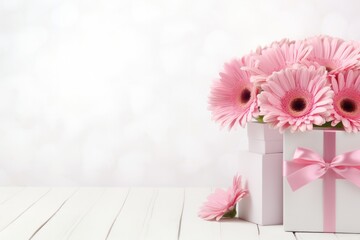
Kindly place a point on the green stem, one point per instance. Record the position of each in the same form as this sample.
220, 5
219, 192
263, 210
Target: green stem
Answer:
230, 214
260, 119
328, 125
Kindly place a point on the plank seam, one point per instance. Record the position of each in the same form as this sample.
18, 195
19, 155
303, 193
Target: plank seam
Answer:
117, 215
220, 230
57, 210
150, 212
181, 215
86, 212
12, 195
295, 235
25, 210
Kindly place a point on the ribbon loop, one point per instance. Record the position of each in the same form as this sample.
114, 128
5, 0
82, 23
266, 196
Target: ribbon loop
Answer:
308, 166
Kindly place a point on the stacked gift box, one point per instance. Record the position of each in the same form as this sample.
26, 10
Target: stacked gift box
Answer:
261, 167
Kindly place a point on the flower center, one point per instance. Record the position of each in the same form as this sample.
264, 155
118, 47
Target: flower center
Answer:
298, 104
328, 69
348, 105
245, 96
329, 63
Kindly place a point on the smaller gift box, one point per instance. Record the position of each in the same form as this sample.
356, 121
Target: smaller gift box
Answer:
322, 181
263, 175
263, 139
264, 147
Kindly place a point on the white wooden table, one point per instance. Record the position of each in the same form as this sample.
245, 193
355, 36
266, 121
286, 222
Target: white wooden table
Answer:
120, 213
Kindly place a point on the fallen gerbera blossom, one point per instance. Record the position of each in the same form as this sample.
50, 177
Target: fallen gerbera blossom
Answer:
296, 99
233, 97
222, 203
346, 101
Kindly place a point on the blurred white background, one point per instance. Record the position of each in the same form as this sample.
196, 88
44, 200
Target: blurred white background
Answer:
115, 92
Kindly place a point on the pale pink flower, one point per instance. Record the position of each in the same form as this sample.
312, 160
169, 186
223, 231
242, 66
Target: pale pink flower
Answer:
296, 99
335, 54
284, 41
277, 57
233, 97
346, 104
223, 202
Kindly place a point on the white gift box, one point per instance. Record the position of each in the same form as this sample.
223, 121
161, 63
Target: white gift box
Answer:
264, 146
263, 177
262, 131
304, 207
263, 139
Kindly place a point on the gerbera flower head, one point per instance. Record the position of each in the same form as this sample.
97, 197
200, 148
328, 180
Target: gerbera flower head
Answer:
284, 41
335, 54
277, 57
296, 98
233, 97
222, 203
346, 104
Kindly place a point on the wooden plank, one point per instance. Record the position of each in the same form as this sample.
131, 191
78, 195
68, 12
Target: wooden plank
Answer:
130, 223
14, 207
315, 236
62, 224
167, 211
8, 192
116, 213
232, 229
192, 227
274, 233
97, 222
343, 236
26, 225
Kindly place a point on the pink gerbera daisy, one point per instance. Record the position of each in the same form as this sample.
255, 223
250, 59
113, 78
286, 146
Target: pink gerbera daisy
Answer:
346, 101
233, 97
284, 41
222, 203
334, 54
278, 56
296, 99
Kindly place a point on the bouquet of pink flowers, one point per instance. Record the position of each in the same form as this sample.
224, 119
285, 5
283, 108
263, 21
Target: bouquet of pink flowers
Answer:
292, 85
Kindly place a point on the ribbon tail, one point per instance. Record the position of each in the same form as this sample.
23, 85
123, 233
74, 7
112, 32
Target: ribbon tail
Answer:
350, 174
303, 176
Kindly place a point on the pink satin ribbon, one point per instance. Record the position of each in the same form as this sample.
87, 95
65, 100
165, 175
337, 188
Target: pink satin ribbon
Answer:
308, 166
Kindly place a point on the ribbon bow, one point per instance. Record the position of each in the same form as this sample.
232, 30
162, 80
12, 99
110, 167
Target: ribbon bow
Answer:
308, 166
